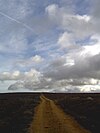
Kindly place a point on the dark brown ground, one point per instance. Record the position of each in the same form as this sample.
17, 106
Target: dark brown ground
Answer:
17, 110
85, 108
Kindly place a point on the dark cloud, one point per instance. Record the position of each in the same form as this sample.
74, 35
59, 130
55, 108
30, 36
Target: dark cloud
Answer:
87, 67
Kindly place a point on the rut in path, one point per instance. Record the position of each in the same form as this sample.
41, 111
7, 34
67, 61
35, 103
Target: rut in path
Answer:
49, 118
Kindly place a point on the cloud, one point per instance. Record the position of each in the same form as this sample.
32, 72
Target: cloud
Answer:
52, 9
63, 76
95, 8
17, 75
10, 76
4, 85
32, 61
66, 40
58, 86
14, 43
19, 9
17, 21
34, 74
37, 59
58, 62
78, 69
80, 25
47, 46
78, 64
14, 27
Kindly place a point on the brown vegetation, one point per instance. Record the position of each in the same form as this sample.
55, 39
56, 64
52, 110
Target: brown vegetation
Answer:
17, 110
84, 107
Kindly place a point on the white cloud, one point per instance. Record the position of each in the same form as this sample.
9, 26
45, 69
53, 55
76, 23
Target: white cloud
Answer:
86, 18
10, 75
52, 10
91, 50
57, 86
69, 61
6, 73
78, 68
79, 25
33, 74
90, 88
66, 40
77, 64
34, 60
16, 73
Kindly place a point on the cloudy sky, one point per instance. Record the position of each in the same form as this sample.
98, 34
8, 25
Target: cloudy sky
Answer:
50, 45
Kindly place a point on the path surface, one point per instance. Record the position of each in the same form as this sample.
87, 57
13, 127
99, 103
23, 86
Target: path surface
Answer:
49, 118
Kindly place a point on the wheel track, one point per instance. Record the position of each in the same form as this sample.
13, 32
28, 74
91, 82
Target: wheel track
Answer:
49, 118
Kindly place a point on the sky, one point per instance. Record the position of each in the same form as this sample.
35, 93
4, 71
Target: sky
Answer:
49, 45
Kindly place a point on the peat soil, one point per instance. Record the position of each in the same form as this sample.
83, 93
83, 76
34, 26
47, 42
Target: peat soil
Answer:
16, 111
84, 107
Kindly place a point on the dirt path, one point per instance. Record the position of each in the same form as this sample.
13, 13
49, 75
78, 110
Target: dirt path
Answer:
49, 118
